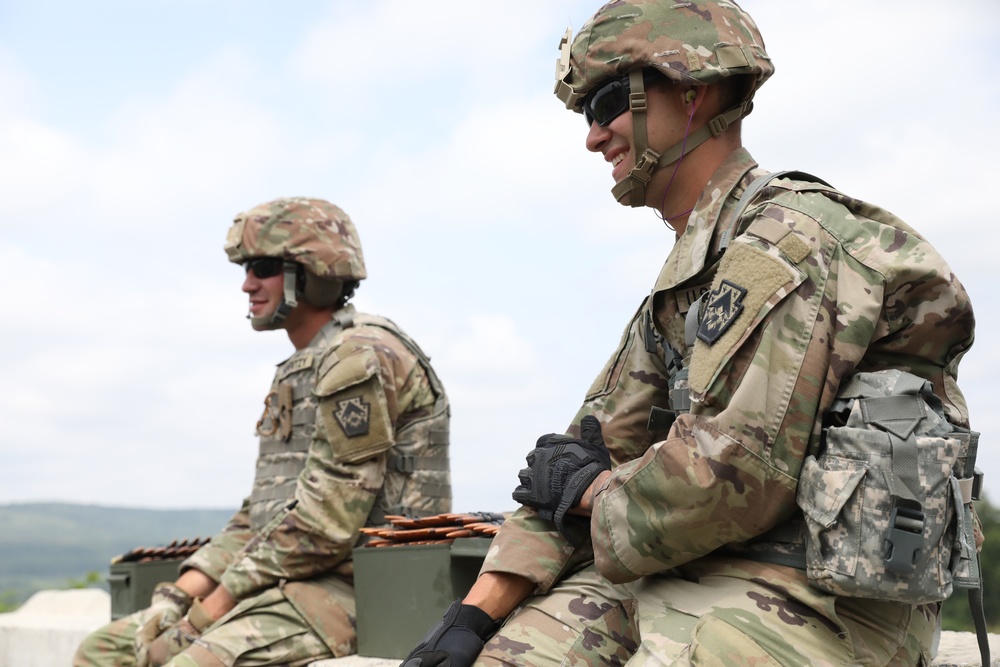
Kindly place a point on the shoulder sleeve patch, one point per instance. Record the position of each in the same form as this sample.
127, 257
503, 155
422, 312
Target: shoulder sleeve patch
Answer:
352, 408
724, 306
747, 289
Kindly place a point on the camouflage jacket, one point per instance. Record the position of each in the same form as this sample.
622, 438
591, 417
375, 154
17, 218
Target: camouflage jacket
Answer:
816, 287
367, 400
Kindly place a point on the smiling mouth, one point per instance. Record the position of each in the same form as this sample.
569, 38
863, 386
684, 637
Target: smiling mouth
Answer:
616, 160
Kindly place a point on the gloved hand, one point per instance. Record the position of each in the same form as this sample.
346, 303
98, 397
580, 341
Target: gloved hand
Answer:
168, 605
456, 640
179, 637
560, 469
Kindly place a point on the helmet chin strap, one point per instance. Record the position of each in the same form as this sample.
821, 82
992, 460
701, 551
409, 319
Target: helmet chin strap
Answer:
649, 160
288, 301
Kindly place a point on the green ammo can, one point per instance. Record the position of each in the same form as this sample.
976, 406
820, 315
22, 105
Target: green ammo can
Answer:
133, 576
132, 583
402, 591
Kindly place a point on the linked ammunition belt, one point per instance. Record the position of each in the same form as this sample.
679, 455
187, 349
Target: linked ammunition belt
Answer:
176, 549
437, 529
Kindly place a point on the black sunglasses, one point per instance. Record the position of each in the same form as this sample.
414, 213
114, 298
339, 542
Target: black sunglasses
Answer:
606, 102
264, 267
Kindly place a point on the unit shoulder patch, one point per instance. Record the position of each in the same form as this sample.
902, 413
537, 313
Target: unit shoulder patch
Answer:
723, 306
352, 414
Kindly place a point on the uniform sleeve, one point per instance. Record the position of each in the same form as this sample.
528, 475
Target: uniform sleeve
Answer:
359, 392
221, 550
791, 313
633, 379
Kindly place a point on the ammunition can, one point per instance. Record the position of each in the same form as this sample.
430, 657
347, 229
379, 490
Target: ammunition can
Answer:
402, 591
131, 584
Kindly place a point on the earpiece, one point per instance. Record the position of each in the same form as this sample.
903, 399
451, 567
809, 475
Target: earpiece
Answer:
689, 98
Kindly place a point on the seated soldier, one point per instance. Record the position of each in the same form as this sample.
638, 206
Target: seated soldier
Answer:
354, 428
667, 527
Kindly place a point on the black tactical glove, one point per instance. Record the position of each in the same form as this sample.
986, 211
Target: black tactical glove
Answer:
456, 640
560, 469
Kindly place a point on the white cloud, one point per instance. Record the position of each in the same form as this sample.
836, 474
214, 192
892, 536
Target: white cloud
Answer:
207, 135
40, 166
388, 45
491, 235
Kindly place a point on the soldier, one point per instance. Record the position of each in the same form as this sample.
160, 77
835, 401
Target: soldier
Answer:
655, 531
354, 428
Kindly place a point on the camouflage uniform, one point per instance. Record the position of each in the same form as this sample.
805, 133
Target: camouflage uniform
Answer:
355, 427
820, 286
808, 287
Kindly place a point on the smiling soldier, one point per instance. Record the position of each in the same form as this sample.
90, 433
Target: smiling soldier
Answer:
768, 469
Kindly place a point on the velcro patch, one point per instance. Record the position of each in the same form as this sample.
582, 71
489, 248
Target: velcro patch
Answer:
766, 278
723, 306
353, 408
352, 415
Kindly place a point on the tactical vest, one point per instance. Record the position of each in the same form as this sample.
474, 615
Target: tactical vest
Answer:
418, 470
288, 426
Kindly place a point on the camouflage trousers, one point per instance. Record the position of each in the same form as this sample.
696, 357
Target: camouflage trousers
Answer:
267, 629
715, 612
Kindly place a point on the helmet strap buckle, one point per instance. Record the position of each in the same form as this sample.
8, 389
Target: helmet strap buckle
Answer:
644, 166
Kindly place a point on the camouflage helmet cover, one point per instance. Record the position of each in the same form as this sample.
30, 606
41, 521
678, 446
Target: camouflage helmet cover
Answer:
700, 42
312, 232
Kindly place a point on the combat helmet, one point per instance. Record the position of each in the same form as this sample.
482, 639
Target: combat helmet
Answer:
697, 42
317, 242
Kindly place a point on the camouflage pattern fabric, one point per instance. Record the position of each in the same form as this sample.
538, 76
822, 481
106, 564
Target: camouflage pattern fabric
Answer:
818, 287
733, 612
266, 629
299, 549
312, 232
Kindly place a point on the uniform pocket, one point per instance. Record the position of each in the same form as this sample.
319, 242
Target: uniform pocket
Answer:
864, 539
832, 503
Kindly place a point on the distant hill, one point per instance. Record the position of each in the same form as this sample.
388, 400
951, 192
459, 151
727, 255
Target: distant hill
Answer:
48, 545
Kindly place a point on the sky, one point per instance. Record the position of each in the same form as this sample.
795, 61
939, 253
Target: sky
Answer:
133, 131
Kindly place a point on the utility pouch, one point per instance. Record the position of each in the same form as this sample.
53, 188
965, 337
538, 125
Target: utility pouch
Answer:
888, 501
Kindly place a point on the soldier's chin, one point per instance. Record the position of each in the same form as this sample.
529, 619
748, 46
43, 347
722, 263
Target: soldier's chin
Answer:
264, 324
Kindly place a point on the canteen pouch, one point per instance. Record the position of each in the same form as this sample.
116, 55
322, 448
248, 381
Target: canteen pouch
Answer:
888, 500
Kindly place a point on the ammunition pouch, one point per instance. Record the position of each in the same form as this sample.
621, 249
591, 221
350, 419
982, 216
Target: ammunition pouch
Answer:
888, 501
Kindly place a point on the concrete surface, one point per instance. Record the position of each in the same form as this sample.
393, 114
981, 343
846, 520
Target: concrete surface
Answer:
46, 630
960, 649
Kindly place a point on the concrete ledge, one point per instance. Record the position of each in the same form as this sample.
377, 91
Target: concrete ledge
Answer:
48, 627
960, 649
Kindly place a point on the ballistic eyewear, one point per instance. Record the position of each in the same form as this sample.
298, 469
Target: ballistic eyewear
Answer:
606, 102
264, 267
